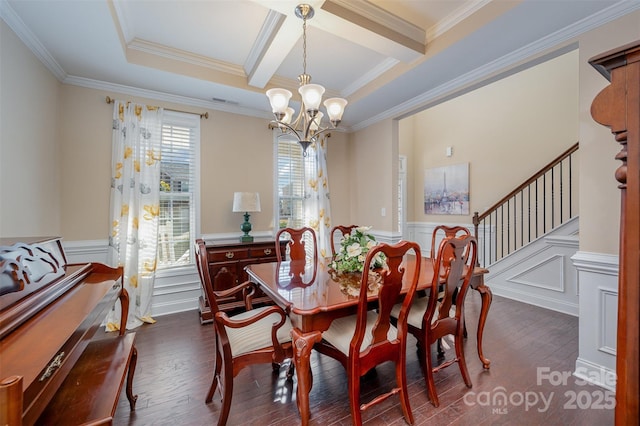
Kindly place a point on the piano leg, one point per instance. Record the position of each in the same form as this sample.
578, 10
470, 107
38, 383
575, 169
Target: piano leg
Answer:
132, 369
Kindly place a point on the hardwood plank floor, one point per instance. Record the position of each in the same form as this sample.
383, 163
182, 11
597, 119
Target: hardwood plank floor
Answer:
175, 366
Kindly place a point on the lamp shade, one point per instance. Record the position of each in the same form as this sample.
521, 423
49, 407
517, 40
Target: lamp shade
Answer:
311, 96
246, 202
335, 108
279, 99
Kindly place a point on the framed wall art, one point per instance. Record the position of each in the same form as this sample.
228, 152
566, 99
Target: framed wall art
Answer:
446, 190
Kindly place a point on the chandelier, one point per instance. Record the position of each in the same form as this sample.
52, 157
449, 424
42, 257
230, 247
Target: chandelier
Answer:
307, 125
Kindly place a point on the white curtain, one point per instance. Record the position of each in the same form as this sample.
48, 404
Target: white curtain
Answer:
317, 207
135, 207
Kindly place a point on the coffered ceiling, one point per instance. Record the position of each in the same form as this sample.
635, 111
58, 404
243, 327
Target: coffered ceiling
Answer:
389, 58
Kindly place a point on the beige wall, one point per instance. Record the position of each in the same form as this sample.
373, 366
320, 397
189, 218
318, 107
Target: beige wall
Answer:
56, 176
30, 194
236, 155
506, 131
599, 197
372, 169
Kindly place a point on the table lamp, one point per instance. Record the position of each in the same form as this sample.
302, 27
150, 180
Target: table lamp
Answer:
246, 202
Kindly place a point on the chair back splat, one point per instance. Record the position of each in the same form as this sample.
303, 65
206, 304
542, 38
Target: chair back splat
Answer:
302, 244
443, 232
368, 338
344, 230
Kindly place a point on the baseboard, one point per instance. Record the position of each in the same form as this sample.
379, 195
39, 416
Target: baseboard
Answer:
536, 300
595, 374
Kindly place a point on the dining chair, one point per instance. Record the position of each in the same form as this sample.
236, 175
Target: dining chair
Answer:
442, 232
368, 338
344, 230
255, 336
432, 318
297, 246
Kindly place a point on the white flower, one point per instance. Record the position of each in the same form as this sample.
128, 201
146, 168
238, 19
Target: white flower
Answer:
354, 250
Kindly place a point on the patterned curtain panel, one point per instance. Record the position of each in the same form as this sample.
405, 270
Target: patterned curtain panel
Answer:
317, 206
135, 193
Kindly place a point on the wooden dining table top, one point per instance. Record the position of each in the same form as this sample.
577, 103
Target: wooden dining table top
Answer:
301, 289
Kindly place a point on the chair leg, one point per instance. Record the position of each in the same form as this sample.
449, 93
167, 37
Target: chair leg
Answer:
428, 376
216, 377
354, 398
227, 394
291, 370
401, 380
462, 363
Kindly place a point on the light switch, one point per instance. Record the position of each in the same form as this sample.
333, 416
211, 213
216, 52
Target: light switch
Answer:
449, 151
383, 212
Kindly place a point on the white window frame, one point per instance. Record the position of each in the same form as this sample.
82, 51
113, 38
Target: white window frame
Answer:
193, 121
277, 137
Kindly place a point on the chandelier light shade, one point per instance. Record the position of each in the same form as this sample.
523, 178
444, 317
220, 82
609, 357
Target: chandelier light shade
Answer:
246, 202
307, 126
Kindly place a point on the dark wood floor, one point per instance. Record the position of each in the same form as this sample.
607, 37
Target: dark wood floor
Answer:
175, 366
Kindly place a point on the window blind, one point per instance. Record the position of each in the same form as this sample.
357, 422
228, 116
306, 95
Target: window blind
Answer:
291, 173
178, 188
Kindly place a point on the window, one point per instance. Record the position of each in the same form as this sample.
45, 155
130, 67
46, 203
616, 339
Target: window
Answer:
290, 182
179, 171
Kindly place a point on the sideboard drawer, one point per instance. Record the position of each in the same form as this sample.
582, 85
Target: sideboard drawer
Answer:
269, 251
230, 254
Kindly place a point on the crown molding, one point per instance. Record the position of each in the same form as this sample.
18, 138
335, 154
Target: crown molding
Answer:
370, 76
437, 94
376, 14
166, 97
453, 19
184, 56
9, 16
268, 31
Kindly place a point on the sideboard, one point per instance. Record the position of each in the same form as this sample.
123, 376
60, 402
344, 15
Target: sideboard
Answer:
226, 268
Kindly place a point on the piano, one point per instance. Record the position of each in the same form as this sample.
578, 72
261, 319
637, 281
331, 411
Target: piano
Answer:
54, 367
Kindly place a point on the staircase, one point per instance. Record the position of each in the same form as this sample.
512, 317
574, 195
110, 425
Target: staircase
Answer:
543, 202
527, 239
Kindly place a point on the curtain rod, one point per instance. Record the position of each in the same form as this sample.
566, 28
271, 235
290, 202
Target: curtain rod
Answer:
203, 115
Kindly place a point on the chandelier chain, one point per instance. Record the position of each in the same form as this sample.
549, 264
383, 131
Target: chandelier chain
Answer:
304, 45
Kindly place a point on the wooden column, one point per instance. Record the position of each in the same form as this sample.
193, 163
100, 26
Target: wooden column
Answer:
618, 107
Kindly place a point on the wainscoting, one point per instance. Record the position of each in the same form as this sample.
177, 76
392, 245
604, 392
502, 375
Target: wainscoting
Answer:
598, 283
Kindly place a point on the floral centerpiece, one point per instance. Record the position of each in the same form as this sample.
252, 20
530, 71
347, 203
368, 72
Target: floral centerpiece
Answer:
348, 262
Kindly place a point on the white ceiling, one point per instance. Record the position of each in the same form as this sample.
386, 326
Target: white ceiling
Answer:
389, 58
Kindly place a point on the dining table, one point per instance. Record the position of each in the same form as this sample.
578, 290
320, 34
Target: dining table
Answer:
313, 296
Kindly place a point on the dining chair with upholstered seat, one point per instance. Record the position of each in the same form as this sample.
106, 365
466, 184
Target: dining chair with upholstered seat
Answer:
440, 233
255, 336
344, 230
301, 245
432, 318
366, 339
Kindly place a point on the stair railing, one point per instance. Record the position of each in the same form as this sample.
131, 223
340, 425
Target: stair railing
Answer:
544, 201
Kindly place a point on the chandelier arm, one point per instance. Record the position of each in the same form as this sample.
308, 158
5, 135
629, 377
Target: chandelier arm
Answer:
319, 132
291, 129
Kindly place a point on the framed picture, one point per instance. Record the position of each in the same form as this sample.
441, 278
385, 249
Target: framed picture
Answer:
446, 190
